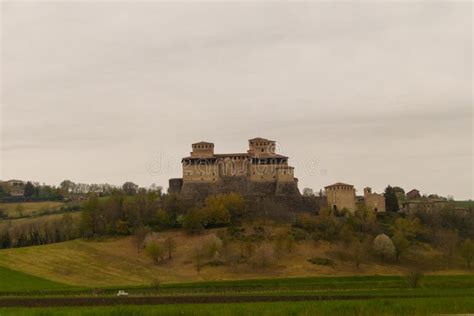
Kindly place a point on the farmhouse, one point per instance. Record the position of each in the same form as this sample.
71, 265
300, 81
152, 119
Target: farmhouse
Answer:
424, 205
14, 187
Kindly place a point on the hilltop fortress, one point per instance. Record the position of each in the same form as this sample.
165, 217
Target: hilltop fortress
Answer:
259, 172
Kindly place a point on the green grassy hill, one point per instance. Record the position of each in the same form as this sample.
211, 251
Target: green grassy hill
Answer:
466, 204
11, 280
15, 210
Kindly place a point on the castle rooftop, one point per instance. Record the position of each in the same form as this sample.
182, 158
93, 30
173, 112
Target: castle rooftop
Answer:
339, 184
260, 139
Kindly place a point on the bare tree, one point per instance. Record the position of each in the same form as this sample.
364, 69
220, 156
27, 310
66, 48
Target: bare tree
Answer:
357, 251
199, 255
467, 251
447, 241
170, 246
139, 236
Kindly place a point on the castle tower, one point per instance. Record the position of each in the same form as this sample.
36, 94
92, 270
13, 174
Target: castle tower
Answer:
341, 196
202, 150
261, 146
367, 191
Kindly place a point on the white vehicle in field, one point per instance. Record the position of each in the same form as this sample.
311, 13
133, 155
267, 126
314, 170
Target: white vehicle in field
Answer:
122, 293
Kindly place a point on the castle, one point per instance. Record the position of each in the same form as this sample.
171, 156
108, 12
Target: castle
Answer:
258, 172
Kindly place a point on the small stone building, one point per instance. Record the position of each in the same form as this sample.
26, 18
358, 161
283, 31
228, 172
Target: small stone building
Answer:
374, 201
413, 194
424, 205
341, 196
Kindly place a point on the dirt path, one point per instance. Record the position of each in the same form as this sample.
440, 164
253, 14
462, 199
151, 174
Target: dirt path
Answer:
153, 300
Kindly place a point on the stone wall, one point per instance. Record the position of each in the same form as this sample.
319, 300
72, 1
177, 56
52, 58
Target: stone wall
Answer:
175, 185
198, 191
280, 201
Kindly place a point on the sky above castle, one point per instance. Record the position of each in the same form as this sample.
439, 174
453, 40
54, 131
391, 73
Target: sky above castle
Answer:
363, 93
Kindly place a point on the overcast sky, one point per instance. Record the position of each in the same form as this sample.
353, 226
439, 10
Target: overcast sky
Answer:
364, 93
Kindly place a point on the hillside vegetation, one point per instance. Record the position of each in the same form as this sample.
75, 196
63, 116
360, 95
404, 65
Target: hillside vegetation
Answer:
116, 262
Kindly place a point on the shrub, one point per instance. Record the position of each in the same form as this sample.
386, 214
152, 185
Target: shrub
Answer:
193, 222
413, 278
263, 258
322, 261
155, 251
384, 247
299, 234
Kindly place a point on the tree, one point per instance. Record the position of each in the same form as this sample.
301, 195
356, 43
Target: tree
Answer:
401, 244
3, 192
447, 241
155, 188
357, 251
364, 220
384, 247
391, 201
467, 251
130, 188
193, 222
155, 251
198, 258
90, 219
29, 190
139, 235
408, 227
400, 193
170, 246
221, 209
413, 278
67, 186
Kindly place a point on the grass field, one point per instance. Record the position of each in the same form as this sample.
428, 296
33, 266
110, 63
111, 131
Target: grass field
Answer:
15, 210
11, 280
40, 220
419, 306
466, 203
115, 262
370, 295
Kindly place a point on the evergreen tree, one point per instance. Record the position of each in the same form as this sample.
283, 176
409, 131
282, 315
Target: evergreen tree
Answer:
29, 189
391, 201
